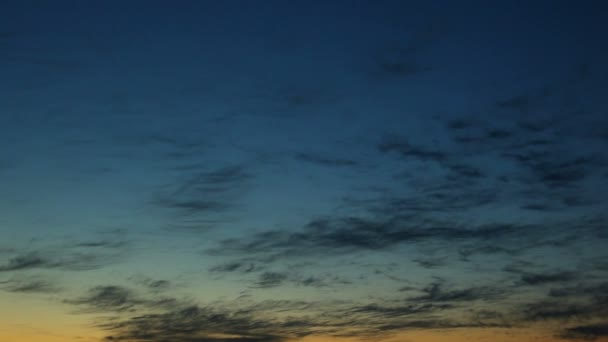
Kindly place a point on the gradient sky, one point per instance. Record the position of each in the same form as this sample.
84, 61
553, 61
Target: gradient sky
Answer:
303, 171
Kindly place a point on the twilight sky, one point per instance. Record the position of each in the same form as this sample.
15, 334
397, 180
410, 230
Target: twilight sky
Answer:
303, 171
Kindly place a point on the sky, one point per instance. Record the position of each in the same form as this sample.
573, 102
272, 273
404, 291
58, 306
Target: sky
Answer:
303, 171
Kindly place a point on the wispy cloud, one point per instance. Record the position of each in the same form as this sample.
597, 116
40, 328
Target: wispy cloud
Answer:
30, 285
73, 255
589, 332
196, 201
325, 161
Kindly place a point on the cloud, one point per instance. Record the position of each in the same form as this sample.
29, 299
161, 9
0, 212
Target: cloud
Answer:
109, 242
430, 262
526, 102
191, 323
325, 161
197, 201
469, 250
79, 255
569, 303
406, 150
520, 102
498, 133
258, 321
29, 285
136, 316
399, 67
235, 266
434, 293
314, 281
460, 124
466, 171
579, 290
589, 332
158, 285
73, 261
347, 234
116, 299
399, 311
555, 171
106, 298
270, 279
26, 261
546, 278
403, 59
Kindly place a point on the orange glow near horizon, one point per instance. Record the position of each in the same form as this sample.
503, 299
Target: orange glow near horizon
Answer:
27, 334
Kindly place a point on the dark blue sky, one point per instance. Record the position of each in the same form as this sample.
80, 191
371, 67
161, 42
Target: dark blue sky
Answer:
303, 171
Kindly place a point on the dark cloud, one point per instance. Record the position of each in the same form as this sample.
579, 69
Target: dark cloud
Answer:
178, 143
133, 316
102, 243
311, 281
469, 139
26, 261
521, 102
535, 126
454, 181
270, 279
546, 278
436, 324
466, 171
525, 102
552, 178
108, 298
29, 285
436, 293
447, 197
197, 200
460, 124
294, 97
396, 67
350, 233
113, 239
159, 285
403, 59
153, 285
553, 171
532, 143
236, 266
399, 311
431, 262
191, 323
112, 298
541, 207
406, 150
566, 308
468, 251
589, 332
325, 161
580, 290
499, 133
243, 321
73, 255
296, 276
47, 260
